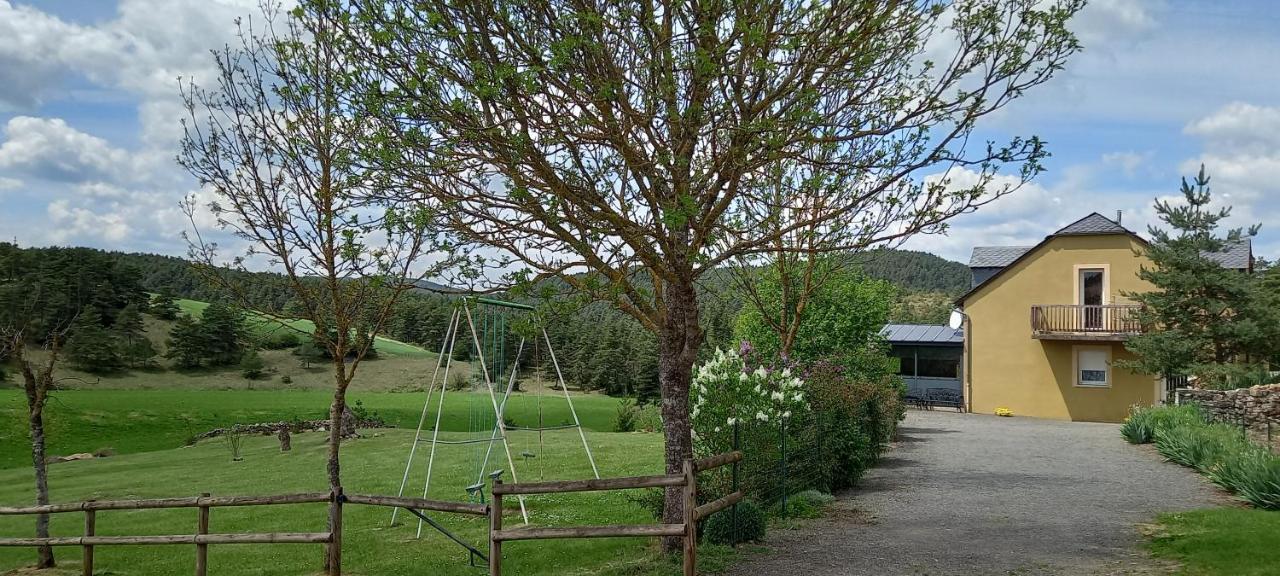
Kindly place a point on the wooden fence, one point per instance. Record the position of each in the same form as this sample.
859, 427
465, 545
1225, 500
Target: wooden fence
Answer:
688, 529
202, 538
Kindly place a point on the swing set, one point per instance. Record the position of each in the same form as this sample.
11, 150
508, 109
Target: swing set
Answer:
486, 423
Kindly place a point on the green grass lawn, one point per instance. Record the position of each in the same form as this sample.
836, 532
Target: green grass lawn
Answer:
371, 465
1220, 541
131, 421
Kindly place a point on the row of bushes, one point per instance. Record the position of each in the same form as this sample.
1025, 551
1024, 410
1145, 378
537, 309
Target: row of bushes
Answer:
1185, 435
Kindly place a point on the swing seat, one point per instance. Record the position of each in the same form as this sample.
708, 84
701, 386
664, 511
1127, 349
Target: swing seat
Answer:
528, 454
495, 475
474, 488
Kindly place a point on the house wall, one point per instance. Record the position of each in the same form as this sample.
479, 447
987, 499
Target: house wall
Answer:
1009, 368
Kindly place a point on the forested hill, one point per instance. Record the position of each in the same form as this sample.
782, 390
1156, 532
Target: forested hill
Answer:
915, 271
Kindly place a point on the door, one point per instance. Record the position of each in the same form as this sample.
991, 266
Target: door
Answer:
1091, 296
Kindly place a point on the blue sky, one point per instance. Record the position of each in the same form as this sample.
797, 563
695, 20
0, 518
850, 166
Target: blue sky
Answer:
89, 120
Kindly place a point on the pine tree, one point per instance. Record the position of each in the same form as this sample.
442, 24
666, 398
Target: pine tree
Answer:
224, 330
1201, 316
251, 365
186, 343
136, 349
91, 347
164, 307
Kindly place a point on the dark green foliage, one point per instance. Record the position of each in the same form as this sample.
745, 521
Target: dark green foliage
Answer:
1200, 314
136, 349
186, 343
636, 417
224, 333
164, 306
280, 340
45, 289
915, 271
852, 419
251, 365
807, 504
751, 525
91, 347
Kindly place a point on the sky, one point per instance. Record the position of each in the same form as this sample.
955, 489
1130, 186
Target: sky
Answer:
90, 111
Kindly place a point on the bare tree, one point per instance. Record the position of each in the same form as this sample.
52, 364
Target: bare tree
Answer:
37, 383
626, 148
274, 141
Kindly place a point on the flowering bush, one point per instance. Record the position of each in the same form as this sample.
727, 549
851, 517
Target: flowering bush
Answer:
726, 391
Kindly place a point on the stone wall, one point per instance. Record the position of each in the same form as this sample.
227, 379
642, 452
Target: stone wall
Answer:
1252, 406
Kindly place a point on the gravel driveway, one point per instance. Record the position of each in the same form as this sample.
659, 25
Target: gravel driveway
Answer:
976, 494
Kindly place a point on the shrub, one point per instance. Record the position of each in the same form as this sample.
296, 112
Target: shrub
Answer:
280, 340
1196, 446
750, 526
1253, 475
286, 379
458, 382
852, 420
1137, 428
251, 365
808, 504
636, 417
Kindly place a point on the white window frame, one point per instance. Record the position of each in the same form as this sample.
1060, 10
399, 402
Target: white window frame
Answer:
1075, 366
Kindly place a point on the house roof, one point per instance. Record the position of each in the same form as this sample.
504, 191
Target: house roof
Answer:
921, 334
1238, 255
1094, 223
996, 256
1235, 255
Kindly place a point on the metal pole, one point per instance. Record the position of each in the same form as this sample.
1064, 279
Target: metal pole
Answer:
565, 388
737, 445
417, 435
435, 430
497, 411
506, 395
784, 467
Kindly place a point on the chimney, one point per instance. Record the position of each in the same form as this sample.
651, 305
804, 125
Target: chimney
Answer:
1119, 216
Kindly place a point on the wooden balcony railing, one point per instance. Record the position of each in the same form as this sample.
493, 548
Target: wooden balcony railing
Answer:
1076, 321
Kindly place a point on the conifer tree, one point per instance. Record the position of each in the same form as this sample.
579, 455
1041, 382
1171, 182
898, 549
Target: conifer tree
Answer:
164, 307
1201, 315
186, 343
91, 347
135, 348
224, 329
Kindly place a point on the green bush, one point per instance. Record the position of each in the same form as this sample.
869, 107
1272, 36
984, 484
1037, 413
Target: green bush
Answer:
808, 504
1137, 428
651, 499
719, 529
852, 420
1220, 451
280, 340
635, 417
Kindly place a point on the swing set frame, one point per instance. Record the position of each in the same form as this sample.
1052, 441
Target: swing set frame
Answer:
462, 312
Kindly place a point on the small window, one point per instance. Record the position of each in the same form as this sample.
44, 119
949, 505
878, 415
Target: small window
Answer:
1092, 368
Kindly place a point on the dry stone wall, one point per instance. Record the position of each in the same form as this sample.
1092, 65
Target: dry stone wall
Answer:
1254, 407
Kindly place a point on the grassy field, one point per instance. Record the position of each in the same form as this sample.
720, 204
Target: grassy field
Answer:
1220, 541
263, 325
371, 465
131, 421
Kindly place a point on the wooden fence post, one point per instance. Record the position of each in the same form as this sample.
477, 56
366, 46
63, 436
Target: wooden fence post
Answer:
202, 527
495, 524
335, 537
90, 525
690, 520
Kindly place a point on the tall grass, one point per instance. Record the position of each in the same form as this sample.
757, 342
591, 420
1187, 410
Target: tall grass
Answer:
1184, 435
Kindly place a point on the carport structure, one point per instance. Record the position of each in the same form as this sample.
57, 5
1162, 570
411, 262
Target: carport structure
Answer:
929, 361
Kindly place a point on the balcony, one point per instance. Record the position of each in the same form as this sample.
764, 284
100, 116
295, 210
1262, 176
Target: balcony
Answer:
1110, 322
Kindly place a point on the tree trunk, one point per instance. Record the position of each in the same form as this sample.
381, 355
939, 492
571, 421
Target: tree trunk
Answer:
35, 402
337, 412
677, 350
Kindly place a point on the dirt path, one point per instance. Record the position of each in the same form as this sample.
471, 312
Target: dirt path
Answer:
975, 494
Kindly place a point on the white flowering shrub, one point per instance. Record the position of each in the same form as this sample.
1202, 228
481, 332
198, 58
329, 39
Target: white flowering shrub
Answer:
724, 391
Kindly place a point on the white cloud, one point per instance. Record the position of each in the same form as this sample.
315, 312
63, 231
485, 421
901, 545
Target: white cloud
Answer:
71, 222
9, 183
49, 149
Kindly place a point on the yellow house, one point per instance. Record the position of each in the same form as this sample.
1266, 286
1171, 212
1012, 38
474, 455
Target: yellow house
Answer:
1045, 324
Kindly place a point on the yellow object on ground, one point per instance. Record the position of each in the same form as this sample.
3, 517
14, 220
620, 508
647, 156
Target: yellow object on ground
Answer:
1002, 411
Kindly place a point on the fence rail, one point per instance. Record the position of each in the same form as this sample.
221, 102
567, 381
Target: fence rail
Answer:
202, 538
688, 529
1109, 320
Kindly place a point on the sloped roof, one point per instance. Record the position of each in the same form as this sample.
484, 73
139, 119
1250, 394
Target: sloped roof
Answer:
995, 256
1094, 223
921, 334
1235, 255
